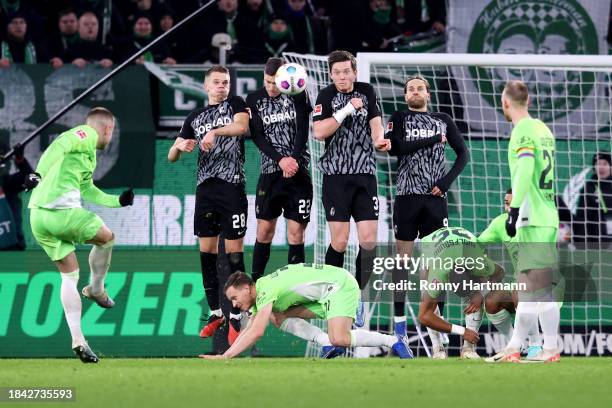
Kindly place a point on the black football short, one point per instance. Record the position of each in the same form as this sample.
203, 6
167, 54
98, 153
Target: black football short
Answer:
220, 207
350, 195
418, 215
290, 196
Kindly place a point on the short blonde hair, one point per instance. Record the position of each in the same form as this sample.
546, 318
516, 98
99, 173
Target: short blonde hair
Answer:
517, 92
99, 116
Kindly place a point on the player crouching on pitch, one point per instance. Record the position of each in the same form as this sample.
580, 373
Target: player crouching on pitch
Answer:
63, 177
455, 243
304, 291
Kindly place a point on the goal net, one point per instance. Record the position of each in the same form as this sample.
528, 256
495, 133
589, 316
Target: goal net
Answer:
572, 95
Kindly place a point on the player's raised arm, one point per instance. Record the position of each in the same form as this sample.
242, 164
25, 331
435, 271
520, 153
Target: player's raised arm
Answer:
238, 127
325, 121
456, 142
396, 133
185, 142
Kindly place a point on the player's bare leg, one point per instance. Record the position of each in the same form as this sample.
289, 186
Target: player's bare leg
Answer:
209, 247
295, 237
234, 248
71, 302
99, 262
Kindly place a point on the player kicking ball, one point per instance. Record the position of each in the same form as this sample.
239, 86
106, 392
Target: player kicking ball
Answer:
295, 293
63, 177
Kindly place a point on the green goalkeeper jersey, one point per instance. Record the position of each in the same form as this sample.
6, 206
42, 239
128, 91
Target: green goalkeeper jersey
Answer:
300, 284
531, 158
66, 170
449, 247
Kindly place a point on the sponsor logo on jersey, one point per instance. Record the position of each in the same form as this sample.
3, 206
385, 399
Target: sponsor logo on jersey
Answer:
81, 134
207, 127
318, 109
389, 126
420, 132
278, 117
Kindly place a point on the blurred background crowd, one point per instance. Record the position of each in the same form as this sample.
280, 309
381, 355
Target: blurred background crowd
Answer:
108, 31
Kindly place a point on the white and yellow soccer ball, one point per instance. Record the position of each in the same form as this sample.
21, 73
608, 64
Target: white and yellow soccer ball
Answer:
291, 79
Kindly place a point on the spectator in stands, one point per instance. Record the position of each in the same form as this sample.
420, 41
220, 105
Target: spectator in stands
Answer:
137, 7
9, 8
349, 25
177, 42
308, 33
416, 19
247, 40
18, 47
88, 48
279, 38
382, 27
142, 34
256, 11
68, 35
117, 34
11, 185
593, 221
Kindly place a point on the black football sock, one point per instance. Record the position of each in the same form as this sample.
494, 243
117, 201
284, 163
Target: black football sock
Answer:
364, 263
210, 280
261, 255
334, 258
296, 254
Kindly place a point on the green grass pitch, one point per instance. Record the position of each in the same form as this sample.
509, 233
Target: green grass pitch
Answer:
299, 382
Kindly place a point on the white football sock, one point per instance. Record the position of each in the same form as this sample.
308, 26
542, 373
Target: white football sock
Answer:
364, 338
435, 336
99, 261
71, 301
304, 330
502, 322
535, 338
526, 314
472, 322
549, 315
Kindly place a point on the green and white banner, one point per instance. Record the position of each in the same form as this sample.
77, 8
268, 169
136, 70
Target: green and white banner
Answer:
574, 102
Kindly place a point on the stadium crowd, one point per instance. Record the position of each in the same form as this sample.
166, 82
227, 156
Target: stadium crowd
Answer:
109, 31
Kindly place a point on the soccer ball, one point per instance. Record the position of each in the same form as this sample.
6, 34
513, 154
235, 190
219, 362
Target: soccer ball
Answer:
291, 79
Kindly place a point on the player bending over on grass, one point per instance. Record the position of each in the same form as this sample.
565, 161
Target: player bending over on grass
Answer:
459, 245
534, 220
304, 291
63, 177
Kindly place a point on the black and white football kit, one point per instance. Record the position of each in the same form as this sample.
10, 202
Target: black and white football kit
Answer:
279, 127
349, 161
416, 141
221, 204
